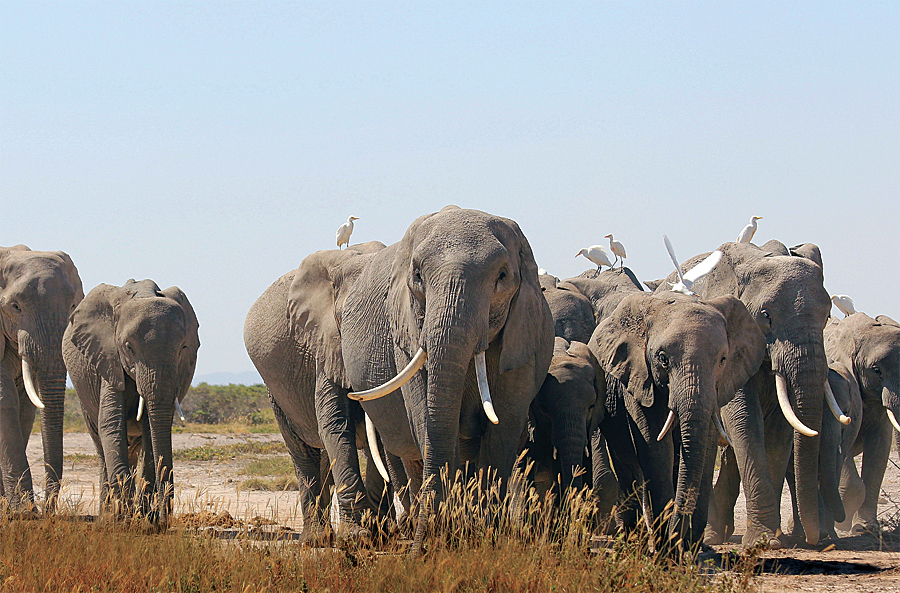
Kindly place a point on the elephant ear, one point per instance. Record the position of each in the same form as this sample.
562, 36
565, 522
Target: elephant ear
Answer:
582, 351
529, 322
810, 251
319, 285
746, 346
93, 325
620, 345
885, 320
192, 339
840, 341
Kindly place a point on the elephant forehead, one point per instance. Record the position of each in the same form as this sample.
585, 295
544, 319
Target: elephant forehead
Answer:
692, 326
35, 276
151, 319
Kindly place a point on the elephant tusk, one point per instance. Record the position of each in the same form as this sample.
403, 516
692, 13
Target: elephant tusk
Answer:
373, 447
721, 428
670, 420
832, 403
402, 377
28, 379
140, 407
893, 419
483, 389
178, 407
787, 410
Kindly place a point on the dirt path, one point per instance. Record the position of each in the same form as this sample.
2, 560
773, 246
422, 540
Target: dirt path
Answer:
861, 563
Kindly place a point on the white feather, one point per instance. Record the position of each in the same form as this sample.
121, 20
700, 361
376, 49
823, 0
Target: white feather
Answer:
686, 280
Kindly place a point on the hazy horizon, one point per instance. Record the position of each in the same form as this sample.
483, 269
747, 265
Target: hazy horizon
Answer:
212, 146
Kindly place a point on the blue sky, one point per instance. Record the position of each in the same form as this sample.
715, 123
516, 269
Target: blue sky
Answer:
214, 145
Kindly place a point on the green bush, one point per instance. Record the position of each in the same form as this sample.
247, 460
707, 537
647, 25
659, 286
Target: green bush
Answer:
217, 404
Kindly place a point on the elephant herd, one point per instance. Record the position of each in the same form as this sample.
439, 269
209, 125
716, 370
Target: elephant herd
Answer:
448, 351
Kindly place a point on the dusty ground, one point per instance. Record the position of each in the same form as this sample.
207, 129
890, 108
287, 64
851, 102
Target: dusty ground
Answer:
861, 563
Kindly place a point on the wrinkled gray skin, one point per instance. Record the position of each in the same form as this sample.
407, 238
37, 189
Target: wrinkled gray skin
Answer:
565, 412
870, 350
573, 314
459, 282
664, 352
123, 343
783, 290
836, 444
603, 289
38, 290
293, 339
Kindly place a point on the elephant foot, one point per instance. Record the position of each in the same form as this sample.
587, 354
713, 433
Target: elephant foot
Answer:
353, 533
866, 528
714, 537
316, 536
756, 536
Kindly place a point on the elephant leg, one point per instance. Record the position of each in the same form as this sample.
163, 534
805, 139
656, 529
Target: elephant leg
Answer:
627, 468
794, 527
113, 436
876, 450
743, 420
145, 467
657, 460
720, 524
339, 437
308, 465
17, 483
605, 484
853, 492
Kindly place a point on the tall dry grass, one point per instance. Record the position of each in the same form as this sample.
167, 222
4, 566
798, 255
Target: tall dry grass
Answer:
479, 541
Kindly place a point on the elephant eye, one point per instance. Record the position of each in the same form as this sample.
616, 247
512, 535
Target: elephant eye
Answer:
876, 370
663, 359
129, 347
16, 307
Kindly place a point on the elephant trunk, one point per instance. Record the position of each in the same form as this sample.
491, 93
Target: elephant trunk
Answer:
693, 397
158, 389
890, 399
805, 369
44, 369
570, 439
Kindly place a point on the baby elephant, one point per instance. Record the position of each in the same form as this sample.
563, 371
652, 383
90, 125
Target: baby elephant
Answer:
128, 349
564, 413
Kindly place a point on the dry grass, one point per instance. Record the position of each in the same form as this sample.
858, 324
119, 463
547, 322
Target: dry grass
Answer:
479, 541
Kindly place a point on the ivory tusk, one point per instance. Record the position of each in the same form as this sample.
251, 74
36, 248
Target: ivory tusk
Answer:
670, 420
140, 407
28, 379
893, 419
373, 448
178, 407
402, 377
787, 410
721, 428
483, 389
832, 403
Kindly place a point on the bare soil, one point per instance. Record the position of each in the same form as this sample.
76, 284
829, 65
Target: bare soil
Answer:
854, 563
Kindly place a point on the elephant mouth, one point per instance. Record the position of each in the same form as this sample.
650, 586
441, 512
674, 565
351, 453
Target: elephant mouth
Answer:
417, 362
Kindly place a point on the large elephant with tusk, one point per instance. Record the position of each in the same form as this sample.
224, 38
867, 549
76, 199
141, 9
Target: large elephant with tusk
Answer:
781, 405
293, 336
456, 307
128, 349
38, 290
869, 350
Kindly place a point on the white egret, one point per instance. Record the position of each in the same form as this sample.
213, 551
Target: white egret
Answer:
686, 280
344, 231
617, 248
844, 304
597, 255
748, 231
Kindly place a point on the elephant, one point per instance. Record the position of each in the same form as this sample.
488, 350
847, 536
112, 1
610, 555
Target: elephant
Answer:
668, 355
603, 289
458, 306
572, 312
566, 411
783, 290
38, 290
127, 348
869, 350
293, 337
